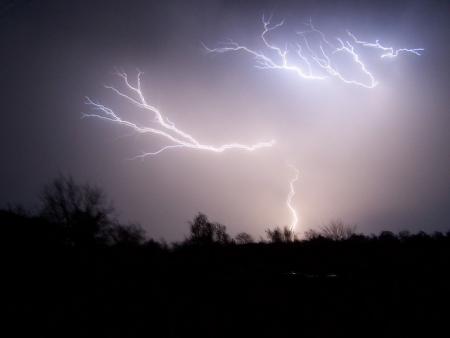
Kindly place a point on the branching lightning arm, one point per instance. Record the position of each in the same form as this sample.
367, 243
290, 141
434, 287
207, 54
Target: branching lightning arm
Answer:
388, 52
316, 63
163, 126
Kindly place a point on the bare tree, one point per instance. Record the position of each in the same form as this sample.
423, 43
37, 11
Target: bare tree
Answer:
81, 209
337, 230
280, 235
205, 232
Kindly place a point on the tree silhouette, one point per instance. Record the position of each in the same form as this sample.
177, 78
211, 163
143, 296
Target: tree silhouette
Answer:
337, 230
244, 238
280, 235
128, 235
127, 286
205, 232
81, 209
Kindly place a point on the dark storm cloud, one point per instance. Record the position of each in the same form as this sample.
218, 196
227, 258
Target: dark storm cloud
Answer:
377, 158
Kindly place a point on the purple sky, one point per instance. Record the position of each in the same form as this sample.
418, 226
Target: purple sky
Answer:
378, 158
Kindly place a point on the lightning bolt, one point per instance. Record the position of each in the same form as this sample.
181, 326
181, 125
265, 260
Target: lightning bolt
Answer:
163, 126
291, 194
307, 59
324, 61
264, 61
388, 52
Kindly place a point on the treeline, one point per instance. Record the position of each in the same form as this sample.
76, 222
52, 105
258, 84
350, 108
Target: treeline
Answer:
80, 215
71, 269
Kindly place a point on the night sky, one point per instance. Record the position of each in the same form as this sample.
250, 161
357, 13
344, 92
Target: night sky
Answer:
378, 158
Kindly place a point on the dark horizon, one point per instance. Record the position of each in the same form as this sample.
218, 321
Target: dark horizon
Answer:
75, 272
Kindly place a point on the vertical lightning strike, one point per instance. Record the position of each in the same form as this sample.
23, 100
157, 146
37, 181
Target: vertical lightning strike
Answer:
291, 194
164, 127
278, 58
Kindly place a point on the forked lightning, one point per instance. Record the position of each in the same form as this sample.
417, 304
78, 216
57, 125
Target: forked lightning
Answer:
162, 125
313, 63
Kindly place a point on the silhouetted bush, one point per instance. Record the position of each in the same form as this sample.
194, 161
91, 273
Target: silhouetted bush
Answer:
336, 230
387, 236
130, 234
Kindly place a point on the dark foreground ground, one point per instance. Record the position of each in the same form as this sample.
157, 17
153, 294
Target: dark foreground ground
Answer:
385, 286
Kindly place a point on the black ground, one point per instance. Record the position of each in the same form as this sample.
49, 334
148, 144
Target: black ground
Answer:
380, 286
